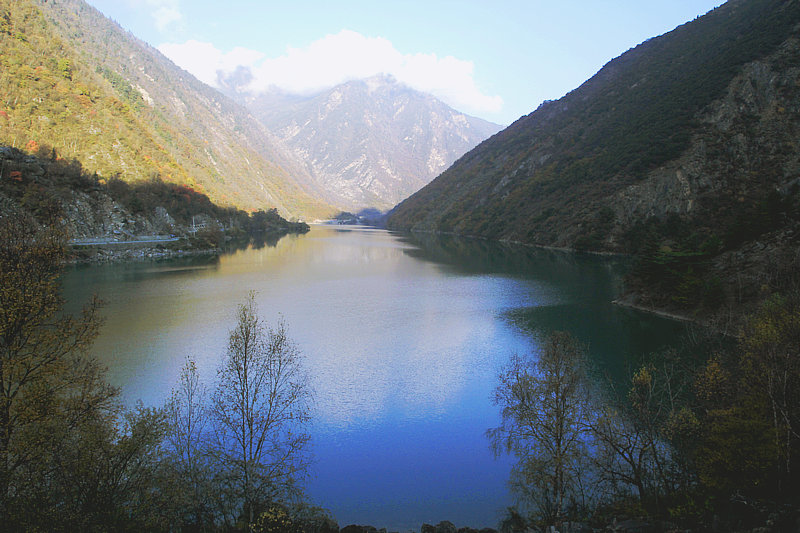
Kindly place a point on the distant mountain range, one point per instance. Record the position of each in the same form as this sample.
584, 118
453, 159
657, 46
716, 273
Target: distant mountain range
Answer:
373, 142
683, 151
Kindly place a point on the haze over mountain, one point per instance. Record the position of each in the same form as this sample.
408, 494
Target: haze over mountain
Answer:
682, 150
121, 108
373, 142
77, 82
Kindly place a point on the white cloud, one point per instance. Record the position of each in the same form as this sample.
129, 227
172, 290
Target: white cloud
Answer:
165, 13
335, 59
205, 61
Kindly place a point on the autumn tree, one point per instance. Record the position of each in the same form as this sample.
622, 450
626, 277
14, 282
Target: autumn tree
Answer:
70, 457
105, 476
750, 407
48, 385
261, 409
771, 358
546, 409
644, 439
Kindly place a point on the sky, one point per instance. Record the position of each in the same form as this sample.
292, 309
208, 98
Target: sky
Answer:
494, 59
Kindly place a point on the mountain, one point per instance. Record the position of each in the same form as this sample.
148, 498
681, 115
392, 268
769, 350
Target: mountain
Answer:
117, 220
373, 142
683, 151
77, 86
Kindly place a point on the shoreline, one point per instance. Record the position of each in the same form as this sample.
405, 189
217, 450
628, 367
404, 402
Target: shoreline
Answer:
131, 251
654, 311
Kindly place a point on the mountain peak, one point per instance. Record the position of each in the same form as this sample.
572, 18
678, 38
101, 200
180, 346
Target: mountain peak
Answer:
374, 141
379, 81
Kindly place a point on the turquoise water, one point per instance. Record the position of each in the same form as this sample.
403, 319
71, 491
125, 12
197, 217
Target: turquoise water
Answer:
403, 338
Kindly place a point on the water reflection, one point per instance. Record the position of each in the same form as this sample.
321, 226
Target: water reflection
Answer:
580, 289
573, 276
403, 338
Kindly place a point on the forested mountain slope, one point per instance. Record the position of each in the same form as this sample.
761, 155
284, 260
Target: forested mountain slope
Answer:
373, 142
75, 82
683, 151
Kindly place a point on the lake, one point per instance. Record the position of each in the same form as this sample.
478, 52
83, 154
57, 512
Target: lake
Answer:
403, 337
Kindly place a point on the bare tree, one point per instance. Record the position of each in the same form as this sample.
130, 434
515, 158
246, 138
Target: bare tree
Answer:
545, 412
261, 409
188, 440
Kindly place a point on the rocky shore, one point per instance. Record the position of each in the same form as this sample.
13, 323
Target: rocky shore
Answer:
109, 220
133, 251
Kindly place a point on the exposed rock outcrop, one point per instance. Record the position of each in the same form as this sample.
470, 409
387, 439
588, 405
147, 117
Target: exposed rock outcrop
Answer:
373, 142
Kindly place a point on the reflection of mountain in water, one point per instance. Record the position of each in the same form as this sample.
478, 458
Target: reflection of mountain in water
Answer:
617, 338
403, 338
257, 241
581, 275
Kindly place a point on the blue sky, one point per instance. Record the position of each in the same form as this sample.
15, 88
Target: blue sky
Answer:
494, 59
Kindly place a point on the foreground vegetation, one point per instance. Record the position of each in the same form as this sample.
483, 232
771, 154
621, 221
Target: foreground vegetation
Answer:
707, 444
73, 459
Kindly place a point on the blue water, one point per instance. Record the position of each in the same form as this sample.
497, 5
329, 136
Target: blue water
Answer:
403, 338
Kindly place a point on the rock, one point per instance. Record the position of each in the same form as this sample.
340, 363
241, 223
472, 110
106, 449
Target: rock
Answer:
164, 218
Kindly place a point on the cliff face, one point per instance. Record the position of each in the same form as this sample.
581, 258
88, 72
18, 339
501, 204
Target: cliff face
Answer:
737, 183
748, 146
41, 187
113, 220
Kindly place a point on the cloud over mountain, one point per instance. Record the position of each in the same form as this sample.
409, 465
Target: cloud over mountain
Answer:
332, 60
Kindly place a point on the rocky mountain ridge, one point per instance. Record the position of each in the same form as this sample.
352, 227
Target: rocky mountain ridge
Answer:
372, 142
